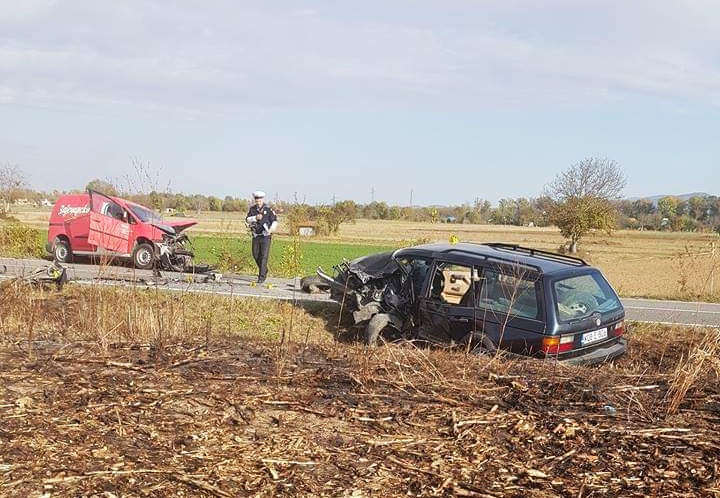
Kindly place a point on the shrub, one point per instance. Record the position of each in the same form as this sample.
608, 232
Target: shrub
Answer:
20, 241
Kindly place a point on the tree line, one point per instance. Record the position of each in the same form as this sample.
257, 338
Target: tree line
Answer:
584, 197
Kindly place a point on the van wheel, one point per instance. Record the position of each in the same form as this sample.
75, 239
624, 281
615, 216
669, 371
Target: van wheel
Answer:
62, 252
144, 256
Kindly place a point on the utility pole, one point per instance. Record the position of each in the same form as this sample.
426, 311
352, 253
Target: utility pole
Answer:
372, 194
712, 268
333, 199
411, 197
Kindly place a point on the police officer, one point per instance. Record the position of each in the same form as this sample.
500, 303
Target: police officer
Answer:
263, 222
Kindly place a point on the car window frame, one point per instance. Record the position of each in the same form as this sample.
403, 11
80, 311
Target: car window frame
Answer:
510, 270
431, 276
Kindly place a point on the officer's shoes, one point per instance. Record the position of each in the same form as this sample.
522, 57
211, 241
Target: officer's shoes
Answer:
260, 280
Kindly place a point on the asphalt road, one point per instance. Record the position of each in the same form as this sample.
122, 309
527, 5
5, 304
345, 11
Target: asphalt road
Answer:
640, 310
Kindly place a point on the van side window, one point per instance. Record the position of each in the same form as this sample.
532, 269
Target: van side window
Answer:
113, 210
451, 283
513, 292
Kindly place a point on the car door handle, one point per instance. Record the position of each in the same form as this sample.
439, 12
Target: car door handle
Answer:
460, 319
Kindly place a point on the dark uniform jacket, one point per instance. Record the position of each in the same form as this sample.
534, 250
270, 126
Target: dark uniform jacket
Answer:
258, 226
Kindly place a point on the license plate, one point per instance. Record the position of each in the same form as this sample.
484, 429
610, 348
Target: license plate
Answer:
595, 335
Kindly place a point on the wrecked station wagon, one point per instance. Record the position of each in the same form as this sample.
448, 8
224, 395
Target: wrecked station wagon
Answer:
486, 297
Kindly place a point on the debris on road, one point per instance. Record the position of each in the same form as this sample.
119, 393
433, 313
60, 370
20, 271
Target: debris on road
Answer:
51, 274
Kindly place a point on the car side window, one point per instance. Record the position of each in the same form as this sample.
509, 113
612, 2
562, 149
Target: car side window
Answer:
512, 291
416, 269
452, 284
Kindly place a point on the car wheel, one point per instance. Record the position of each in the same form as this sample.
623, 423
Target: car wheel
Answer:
379, 326
62, 252
313, 284
481, 345
144, 256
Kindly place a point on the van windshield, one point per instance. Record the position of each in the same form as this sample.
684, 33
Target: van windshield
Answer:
144, 214
581, 296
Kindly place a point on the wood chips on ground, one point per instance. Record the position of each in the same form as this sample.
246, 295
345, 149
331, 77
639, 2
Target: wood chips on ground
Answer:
230, 419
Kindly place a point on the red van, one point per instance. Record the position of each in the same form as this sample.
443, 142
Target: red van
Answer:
95, 224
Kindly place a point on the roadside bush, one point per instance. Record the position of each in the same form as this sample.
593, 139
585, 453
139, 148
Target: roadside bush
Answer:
326, 219
292, 259
20, 241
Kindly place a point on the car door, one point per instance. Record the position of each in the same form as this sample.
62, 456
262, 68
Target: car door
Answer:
509, 307
446, 313
109, 229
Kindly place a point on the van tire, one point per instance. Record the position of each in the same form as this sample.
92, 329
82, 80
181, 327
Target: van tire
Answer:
143, 256
62, 252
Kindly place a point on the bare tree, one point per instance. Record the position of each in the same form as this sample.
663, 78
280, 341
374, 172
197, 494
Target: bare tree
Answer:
12, 179
592, 176
582, 198
143, 178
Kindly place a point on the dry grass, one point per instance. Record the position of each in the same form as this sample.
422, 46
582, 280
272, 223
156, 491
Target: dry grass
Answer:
114, 315
701, 359
121, 392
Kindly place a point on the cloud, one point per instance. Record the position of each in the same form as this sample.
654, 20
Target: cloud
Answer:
226, 57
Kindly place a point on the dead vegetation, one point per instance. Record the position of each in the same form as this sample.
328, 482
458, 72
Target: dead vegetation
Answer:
116, 392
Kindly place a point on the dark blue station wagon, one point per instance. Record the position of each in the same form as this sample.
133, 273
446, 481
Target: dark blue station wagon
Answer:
486, 297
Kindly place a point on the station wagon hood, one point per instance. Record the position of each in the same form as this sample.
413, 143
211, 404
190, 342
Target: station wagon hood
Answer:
374, 266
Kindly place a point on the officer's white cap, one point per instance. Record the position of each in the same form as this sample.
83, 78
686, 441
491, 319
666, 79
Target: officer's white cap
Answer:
258, 193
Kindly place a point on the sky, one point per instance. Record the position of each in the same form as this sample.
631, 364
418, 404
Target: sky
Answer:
314, 100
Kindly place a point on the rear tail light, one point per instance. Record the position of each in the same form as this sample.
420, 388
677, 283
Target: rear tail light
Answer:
557, 344
619, 328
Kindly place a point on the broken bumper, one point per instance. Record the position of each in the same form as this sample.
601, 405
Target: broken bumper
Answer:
600, 355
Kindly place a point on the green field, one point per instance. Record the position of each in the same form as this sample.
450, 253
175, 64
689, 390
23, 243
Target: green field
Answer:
214, 250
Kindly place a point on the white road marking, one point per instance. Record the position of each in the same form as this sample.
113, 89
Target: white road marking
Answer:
673, 309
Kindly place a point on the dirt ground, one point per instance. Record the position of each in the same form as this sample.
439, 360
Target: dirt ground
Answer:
228, 417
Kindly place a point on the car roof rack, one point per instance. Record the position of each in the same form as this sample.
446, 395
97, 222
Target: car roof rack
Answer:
537, 252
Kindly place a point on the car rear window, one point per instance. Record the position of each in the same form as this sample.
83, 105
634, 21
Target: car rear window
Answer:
583, 295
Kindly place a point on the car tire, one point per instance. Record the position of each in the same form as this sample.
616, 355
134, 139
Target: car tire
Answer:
313, 284
62, 252
378, 326
143, 256
481, 345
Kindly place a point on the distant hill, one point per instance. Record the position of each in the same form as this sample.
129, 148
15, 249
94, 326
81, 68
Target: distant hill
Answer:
682, 197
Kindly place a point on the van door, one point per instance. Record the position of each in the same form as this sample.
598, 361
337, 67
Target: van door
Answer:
109, 227
446, 314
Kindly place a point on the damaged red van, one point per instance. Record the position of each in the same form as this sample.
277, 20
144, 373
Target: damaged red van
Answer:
95, 224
